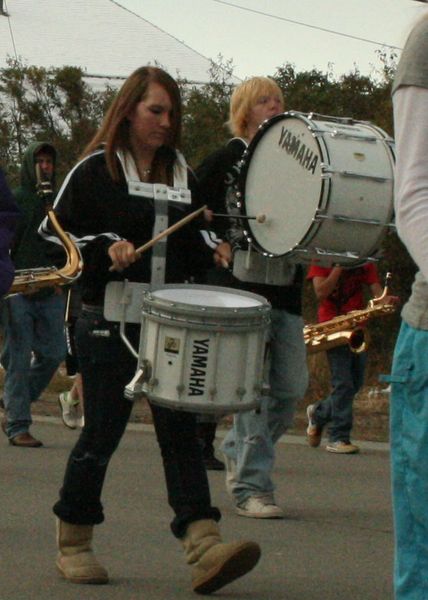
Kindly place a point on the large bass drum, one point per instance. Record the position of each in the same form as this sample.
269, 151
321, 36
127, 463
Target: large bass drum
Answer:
325, 186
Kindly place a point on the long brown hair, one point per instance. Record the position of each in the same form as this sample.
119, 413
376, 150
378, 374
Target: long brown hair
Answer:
113, 133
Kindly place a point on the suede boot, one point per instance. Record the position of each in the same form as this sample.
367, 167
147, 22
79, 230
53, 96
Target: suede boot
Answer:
215, 564
76, 561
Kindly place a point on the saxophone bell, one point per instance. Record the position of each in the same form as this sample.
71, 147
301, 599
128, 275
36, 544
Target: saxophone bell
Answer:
28, 281
357, 340
349, 328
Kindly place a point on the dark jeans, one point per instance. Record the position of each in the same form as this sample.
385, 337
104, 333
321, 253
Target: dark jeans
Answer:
107, 366
347, 376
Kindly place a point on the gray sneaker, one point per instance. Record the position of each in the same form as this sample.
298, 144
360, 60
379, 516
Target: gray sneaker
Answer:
260, 507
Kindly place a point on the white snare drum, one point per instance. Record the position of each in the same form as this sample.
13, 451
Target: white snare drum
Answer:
201, 348
325, 185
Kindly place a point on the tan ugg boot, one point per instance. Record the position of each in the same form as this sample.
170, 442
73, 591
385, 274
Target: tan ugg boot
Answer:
76, 561
215, 563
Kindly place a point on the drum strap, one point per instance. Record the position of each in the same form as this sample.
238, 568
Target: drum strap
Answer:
161, 195
161, 222
159, 249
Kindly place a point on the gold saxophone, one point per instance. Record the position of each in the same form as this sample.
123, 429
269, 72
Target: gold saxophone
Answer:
347, 329
27, 281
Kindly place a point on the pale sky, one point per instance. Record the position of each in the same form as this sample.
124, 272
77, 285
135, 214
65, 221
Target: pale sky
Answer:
258, 44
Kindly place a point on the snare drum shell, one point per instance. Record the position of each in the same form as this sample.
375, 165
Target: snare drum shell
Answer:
206, 359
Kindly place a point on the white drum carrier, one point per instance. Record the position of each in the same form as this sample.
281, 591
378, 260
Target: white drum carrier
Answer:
201, 348
325, 185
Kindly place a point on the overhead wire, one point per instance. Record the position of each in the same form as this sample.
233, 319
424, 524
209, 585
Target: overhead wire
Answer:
302, 24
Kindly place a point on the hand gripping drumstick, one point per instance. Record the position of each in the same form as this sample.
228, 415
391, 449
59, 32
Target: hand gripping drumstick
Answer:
167, 231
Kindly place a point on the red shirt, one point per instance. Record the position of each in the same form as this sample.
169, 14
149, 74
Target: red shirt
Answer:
348, 293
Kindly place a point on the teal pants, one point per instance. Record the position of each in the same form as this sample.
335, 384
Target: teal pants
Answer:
409, 456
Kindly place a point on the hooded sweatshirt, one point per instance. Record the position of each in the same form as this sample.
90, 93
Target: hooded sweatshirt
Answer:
29, 250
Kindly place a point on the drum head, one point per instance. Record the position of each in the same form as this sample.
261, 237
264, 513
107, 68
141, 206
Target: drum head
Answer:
207, 296
281, 179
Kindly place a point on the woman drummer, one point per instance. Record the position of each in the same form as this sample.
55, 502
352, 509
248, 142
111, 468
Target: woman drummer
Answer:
136, 141
249, 446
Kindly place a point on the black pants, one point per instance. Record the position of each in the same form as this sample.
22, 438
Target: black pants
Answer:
107, 366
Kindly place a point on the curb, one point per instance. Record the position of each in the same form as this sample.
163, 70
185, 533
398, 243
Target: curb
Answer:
298, 440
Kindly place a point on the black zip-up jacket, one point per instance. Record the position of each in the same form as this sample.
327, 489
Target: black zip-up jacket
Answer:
97, 212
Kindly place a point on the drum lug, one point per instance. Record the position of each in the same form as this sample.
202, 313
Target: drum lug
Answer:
134, 389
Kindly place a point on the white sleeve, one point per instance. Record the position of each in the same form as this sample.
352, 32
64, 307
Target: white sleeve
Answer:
411, 173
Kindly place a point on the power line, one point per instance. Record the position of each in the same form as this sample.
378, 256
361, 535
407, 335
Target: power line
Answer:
346, 35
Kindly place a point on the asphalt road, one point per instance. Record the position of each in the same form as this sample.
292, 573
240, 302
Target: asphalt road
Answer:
335, 544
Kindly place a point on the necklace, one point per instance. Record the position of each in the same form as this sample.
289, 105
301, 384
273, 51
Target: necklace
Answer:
143, 173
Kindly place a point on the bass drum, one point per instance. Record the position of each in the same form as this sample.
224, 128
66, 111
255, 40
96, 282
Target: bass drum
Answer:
324, 185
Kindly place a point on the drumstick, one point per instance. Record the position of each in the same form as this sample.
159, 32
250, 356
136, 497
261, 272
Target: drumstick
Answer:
170, 229
259, 218
167, 231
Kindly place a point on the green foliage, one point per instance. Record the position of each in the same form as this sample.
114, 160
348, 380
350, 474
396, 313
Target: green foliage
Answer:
352, 95
55, 105
206, 110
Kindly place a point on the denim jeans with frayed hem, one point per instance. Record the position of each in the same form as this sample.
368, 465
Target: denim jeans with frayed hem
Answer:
34, 347
347, 376
409, 462
250, 443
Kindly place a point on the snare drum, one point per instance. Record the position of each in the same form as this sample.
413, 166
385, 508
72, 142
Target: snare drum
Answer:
324, 184
202, 348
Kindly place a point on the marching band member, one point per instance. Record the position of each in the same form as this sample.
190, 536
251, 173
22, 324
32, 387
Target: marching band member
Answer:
249, 446
136, 141
340, 291
34, 342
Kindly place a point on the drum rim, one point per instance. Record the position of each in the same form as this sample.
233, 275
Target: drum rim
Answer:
258, 315
210, 288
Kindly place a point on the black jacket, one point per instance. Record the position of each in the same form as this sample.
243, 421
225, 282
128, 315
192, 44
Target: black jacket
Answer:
97, 212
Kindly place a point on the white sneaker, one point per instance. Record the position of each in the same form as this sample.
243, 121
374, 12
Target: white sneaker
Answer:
231, 479
260, 507
69, 412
